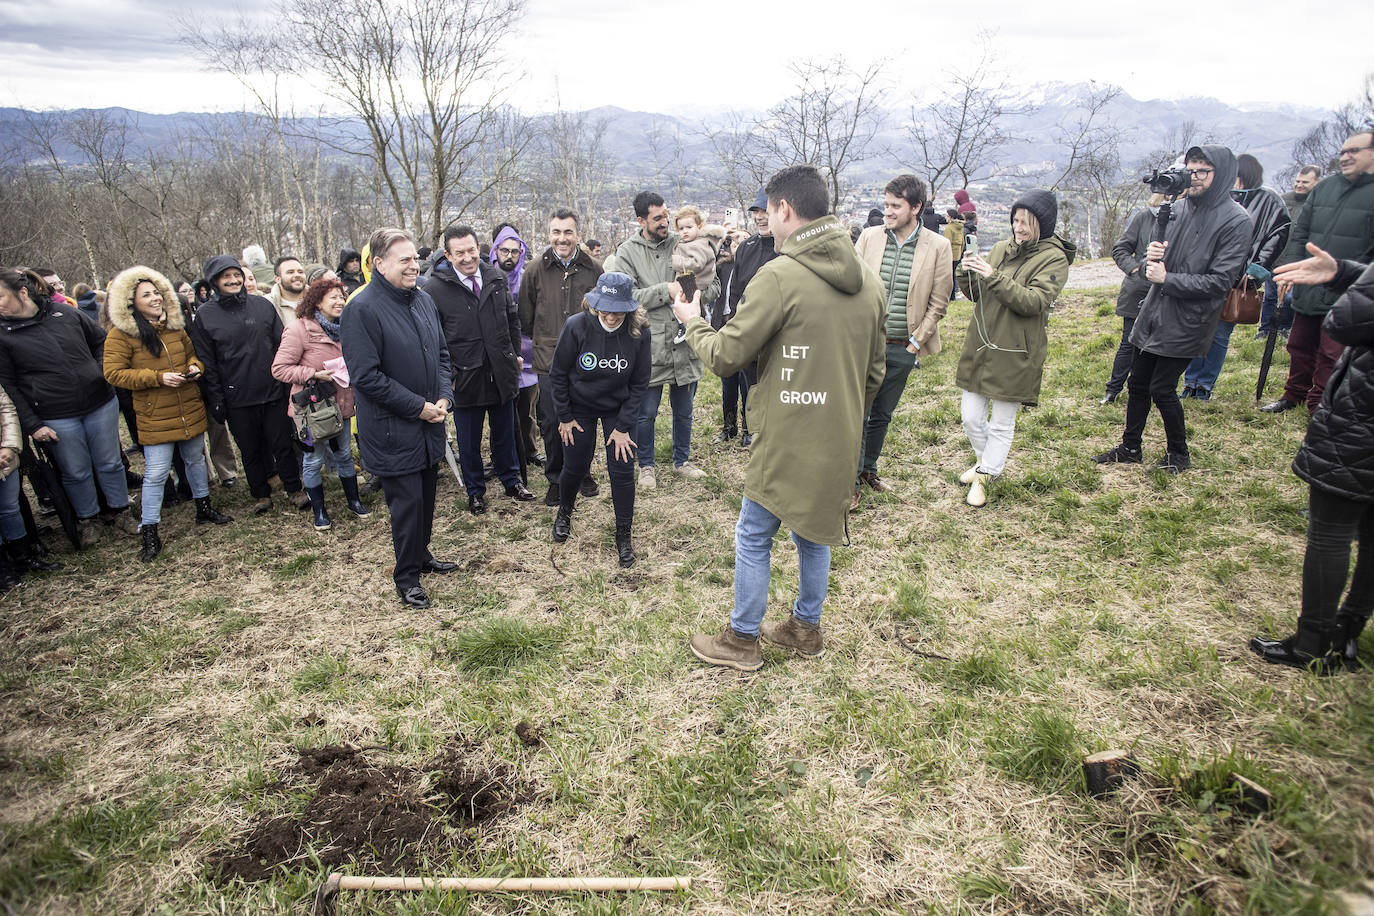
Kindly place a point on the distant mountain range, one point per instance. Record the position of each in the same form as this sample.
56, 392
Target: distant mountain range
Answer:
1266, 130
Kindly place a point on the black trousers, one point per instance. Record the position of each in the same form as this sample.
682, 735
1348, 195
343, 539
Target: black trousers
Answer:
1125, 355
577, 461
410, 500
548, 431
1335, 521
1155, 378
263, 433
734, 394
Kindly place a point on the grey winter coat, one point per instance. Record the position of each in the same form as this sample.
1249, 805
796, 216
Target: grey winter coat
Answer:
1209, 246
1129, 255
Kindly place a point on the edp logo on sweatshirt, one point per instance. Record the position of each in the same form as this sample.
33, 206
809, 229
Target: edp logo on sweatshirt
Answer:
588, 361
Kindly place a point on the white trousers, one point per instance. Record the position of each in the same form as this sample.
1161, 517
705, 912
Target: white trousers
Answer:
989, 425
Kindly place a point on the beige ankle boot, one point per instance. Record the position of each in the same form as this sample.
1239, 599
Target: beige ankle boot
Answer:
978, 490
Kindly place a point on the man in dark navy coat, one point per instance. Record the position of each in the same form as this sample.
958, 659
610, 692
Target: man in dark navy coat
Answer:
398, 364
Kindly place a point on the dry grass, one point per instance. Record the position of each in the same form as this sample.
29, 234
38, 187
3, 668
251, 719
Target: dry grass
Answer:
149, 712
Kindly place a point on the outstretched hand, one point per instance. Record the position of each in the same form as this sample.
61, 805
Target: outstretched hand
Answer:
1314, 271
565, 431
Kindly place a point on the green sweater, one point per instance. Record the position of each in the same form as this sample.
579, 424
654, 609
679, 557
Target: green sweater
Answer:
814, 318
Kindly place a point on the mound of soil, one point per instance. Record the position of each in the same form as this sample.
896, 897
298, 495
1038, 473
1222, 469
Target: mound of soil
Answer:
383, 815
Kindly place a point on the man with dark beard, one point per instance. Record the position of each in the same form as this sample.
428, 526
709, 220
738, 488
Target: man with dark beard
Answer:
236, 335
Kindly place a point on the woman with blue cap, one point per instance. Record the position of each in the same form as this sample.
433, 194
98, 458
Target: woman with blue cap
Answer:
600, 371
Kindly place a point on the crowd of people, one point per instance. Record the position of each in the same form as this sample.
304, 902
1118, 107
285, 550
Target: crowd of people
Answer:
813, 328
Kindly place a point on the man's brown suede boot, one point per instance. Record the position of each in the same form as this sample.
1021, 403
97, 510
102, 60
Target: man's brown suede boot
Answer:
729, 650
795, 634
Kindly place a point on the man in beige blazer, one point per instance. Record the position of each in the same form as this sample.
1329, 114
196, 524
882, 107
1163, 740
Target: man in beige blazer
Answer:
917, 269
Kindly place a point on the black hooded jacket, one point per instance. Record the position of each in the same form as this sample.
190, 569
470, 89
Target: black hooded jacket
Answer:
1129, 255
483, 336
1271, 222
1338, 453
51, 365
236, 337
1209, 245
350, 280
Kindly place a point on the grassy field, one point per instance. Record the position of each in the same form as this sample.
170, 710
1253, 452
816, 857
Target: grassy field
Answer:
216, 732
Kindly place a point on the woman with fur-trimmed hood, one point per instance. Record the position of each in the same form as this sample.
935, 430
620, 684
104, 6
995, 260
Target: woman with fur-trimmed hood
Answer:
149, 352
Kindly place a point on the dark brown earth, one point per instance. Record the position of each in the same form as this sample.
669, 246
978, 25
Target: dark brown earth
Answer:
381, 815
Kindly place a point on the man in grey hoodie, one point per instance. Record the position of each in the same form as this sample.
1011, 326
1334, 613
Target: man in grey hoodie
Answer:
1205, 248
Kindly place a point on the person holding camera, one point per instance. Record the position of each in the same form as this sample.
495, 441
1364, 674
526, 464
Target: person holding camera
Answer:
1003, 360
149, 352
1270, 234
1206, 246
1337, 461
310, 351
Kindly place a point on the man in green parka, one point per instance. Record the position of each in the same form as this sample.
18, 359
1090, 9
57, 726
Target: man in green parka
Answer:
813, 317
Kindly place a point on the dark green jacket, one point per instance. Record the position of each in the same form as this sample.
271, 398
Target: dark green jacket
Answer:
1339, 218
813, 317
1004, 349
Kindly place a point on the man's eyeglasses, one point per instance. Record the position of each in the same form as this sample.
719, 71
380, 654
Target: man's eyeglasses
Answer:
1352, 150
513, 252
1200, 173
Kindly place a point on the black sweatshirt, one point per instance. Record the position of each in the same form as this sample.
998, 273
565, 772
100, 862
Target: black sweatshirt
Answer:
596, 373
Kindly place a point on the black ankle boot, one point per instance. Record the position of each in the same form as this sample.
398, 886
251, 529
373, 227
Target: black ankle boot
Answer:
746, 438
206, 512
1309, 648
316, 495
351, 497
624, 546
27, 556
1346, 642
8, 578
729, 427
152, 544
562, 525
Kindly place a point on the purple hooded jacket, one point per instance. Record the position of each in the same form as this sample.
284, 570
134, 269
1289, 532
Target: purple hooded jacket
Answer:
527, 376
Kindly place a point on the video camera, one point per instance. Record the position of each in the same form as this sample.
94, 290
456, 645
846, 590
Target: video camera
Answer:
1170, 182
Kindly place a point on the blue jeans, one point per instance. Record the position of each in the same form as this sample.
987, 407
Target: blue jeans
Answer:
680, 397
1271, 304
900, 362
337, 451
87, 452
11, 520
157, 463
1203, 371
753, 544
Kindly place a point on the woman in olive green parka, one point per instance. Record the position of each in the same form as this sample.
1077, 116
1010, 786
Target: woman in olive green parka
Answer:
1004, 350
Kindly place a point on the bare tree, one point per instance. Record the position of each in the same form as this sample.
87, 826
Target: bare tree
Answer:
574, 165
1321, 145
829, 122
422, 77
958, 136
742, 164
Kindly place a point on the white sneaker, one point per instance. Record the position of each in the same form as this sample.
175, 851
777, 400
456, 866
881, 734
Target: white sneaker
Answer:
646, 478
966, 478
689, 470
978, 491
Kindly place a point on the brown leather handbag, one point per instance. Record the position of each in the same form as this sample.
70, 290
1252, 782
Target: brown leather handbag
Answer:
1243, 302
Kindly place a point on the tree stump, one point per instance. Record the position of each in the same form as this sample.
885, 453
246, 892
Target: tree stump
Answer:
1105, 771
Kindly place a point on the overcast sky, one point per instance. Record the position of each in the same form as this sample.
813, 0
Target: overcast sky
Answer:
676, 57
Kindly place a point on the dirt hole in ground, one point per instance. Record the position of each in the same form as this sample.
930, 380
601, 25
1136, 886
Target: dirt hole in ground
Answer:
365, 812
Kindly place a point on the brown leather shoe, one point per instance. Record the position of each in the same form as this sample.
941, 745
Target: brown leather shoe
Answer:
795, 634
876, 482
728, 650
